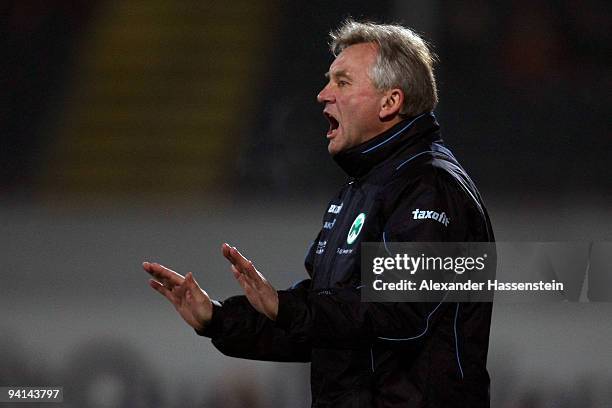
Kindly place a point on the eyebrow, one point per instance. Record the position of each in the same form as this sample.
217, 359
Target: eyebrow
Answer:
338, 73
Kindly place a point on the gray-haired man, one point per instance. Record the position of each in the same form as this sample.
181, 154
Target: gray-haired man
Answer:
379, 100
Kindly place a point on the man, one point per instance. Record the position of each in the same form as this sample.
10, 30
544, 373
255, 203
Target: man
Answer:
378, 101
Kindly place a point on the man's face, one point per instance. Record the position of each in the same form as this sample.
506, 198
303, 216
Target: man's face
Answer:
352, 103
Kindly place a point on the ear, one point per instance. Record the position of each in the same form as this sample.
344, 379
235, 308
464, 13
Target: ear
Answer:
391, 103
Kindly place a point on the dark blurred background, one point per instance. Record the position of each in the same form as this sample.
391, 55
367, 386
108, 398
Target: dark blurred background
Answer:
159, 129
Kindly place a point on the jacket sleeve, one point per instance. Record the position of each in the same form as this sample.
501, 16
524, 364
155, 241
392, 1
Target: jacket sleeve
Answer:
337, 318
238, 330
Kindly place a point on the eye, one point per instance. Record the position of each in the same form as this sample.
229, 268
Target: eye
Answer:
342, 83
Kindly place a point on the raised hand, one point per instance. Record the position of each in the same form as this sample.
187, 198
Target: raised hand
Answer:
260, 293
189, 300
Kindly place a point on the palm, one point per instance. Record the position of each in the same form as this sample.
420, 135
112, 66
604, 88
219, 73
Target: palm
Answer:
259, 292
194, 313
191, 302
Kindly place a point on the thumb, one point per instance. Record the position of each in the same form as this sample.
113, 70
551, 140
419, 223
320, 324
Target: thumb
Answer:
193, 287
191, 282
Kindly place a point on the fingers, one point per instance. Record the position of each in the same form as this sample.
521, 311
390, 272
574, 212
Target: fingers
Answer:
179, 290
246, 281
191, 281
167, 276
167, 293
194, 291
230, 253
189, 297
238, 261
225, 249
235, 272
243, 280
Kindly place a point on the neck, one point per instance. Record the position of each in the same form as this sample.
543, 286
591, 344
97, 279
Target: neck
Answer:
358, 160
385, 124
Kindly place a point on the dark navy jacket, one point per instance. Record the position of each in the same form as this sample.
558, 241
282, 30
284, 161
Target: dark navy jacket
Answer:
378, 354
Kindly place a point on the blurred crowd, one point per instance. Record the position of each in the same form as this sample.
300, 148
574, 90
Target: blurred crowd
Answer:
113, 373
519, 80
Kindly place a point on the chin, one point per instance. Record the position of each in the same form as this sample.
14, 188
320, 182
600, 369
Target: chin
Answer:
337, 144
333, 149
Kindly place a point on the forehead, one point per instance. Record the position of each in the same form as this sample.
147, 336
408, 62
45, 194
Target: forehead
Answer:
355, 59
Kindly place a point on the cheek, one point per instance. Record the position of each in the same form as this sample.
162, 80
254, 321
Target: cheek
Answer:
363, 115
359, 111
365, 104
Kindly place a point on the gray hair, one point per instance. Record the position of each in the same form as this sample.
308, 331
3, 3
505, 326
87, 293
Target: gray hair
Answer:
404, 61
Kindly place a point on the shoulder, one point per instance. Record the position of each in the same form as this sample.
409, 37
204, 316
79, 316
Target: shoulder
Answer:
434, 195
428, 179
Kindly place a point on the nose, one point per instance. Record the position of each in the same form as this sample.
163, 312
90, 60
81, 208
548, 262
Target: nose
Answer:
325, 95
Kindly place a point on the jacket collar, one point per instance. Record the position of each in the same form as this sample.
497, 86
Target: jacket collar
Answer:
358, 160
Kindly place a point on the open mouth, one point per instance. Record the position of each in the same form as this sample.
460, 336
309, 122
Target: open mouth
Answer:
333, 123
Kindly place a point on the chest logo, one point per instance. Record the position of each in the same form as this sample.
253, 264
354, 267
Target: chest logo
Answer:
436, 216
335, 208
355, 228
